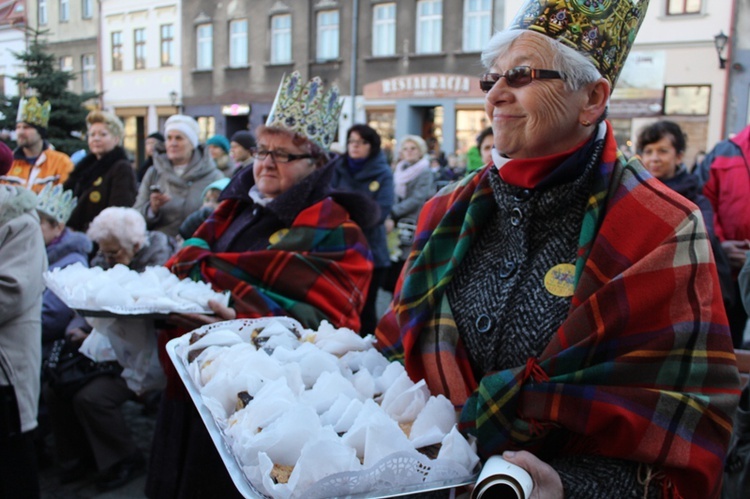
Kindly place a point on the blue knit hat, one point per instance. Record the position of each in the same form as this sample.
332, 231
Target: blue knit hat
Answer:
220, 141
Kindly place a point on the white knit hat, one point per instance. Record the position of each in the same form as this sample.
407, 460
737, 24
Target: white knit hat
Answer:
185, 125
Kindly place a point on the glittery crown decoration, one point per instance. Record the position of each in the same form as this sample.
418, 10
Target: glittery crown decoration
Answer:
56, 202
306, 109
603, 30
34, 112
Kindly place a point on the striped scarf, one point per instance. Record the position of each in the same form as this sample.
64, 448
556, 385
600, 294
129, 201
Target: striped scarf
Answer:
642, 368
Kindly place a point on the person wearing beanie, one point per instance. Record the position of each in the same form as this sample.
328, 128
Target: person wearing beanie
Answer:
171, 189
154, 144
6, 158
218, 147
241, 150
35, 163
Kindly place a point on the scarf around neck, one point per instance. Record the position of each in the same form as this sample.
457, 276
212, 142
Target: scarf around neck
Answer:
406, 172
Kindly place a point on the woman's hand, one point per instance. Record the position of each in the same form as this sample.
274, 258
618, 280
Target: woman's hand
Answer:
76, 335
736, 252
389, 225
547, 482
157, 200
194, 321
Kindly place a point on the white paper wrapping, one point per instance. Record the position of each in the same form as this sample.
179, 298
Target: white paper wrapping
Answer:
327, 403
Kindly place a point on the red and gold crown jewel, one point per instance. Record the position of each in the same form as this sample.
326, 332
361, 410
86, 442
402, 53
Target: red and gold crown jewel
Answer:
34, 112
306, 109
603, 30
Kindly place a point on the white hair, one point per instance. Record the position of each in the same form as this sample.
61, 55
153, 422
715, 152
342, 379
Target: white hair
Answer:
126, 225
414, 139
577, 69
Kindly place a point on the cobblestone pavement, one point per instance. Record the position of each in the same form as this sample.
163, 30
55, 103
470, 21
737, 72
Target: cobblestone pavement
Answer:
142, 427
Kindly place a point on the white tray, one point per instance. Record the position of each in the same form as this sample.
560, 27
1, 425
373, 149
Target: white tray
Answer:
175, 349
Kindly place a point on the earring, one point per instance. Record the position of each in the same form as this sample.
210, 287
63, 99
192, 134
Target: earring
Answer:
585, 123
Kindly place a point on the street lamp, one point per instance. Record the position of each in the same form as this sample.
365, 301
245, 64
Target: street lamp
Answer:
720, 41
173, 100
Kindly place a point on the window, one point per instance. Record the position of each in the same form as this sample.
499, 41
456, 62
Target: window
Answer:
691, 100
429, 26
384, 29
66, 64
42, 11
679, 7
477, 23
64, 10
205, 40
167, 44
87, 9
238, 43
328, 35
88, 73
139, 48
117, 51
281, 39
206, 127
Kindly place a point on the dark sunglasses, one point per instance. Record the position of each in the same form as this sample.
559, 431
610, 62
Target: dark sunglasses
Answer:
517, 77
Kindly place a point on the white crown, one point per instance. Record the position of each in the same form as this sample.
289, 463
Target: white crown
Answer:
306, 109
55, 202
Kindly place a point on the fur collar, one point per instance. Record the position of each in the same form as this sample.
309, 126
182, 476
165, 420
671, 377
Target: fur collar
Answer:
15, 201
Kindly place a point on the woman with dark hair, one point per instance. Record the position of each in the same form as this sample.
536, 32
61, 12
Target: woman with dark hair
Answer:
661, 146
365, 169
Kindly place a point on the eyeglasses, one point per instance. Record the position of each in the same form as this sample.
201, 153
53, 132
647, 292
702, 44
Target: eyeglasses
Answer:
354, 142
278, 156
517, 77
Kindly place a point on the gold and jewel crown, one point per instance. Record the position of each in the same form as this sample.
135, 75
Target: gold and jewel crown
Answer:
34, 112
603, 30
306, 109
56, 202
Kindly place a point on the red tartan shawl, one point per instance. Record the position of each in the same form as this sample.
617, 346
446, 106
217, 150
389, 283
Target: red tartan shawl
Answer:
642, 368
317, 269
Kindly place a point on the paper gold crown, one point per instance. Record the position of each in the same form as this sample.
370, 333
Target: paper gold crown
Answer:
56, 202
306, 109
603, 30
34, 112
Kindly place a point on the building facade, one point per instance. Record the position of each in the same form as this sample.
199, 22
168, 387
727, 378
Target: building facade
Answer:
71, 30
142, 65
12, 39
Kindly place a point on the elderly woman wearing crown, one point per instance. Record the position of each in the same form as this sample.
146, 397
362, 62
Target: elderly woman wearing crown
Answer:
283, 244
564, 300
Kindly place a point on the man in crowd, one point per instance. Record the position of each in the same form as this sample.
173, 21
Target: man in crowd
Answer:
241, 148
35, 163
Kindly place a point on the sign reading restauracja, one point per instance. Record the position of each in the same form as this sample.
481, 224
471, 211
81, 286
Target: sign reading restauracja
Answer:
423, 85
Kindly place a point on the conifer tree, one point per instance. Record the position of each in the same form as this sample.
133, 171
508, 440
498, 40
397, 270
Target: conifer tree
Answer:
43, 78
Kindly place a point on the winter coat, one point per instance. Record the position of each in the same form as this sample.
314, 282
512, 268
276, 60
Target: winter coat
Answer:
728, 186
185, 190
157, 250
22, 262
99, 184
407, 208
374, 180
54, 168
71, 247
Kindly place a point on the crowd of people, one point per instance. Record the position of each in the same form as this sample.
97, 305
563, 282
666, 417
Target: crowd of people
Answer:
580, 309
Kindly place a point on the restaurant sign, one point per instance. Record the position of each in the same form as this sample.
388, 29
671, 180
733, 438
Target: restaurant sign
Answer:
423, 85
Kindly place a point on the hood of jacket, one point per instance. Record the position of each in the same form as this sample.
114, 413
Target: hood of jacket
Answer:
199, 166
15, 201
69, 242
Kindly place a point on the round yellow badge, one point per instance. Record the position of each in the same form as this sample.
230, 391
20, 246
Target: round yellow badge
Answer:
17, 170
374, 186
276, 236
95, 197
559, 280
98, 181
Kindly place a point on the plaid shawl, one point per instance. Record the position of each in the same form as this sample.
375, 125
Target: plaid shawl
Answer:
319, 269
643, 367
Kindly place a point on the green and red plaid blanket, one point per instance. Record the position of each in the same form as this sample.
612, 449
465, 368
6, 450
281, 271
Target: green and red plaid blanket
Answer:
643, 367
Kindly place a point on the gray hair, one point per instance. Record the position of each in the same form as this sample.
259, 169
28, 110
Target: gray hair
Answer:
127, 225
579, 71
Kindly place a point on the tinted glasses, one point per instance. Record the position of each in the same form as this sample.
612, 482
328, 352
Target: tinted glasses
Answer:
517, 77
